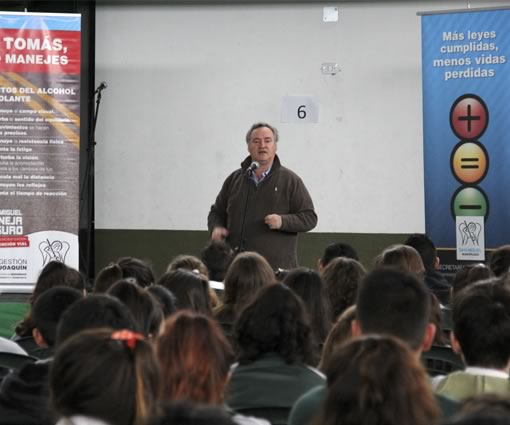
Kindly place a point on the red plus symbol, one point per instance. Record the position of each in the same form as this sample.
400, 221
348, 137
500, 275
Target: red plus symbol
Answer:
469, 117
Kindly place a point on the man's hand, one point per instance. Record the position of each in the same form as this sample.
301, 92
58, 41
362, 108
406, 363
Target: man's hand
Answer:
274, 221
219, 234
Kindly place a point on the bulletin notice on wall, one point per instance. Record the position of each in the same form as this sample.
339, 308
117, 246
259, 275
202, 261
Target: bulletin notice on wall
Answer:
39, 144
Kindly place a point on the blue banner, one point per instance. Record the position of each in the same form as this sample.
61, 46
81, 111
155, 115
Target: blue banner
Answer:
466, 120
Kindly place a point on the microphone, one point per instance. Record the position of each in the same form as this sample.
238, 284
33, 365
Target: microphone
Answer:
253, 166
101, 87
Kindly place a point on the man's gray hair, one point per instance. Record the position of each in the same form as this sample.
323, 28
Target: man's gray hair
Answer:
260, 125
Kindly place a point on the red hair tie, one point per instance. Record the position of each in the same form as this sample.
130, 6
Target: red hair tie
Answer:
129, 337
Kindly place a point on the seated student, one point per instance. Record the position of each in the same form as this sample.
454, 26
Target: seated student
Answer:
248, 273
434, 280
273, 336
486, 409
481, 335
342, 277
106, 277
470, 274
336, 250
194, 264
24, 396
217, 256
165, 298
53, 274
46, 314
401, 257
195, 358
390, 302
377, 380
137, 269
340, 333
310, 288
142, 305
499, 261
104, 377
190, 289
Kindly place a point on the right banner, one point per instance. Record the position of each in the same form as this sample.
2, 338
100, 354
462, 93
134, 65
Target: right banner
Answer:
466, 129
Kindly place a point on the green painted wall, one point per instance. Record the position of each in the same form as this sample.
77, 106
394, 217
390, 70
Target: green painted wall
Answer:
160, 246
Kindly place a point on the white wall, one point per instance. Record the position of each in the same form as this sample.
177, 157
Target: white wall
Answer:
186, 82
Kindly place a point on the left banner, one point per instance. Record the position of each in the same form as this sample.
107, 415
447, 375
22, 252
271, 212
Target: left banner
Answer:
39, 144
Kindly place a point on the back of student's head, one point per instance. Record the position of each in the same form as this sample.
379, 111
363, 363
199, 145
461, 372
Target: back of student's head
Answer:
195, 358
190, 289
104, 374
483, 409
165, 298
217, 256
188, 262
425, 247
56, 273
53, 274
401, 257
94, 311
275, 322
106, 278
395, 303
336, 250
377, 380
310, 288
469, 274
138, 269
338, 335
342, 277
481, 323
499, 261
248, 273
49, 307
144, 308
184, 412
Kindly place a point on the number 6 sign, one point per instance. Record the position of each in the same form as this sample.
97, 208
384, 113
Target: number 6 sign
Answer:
300, 109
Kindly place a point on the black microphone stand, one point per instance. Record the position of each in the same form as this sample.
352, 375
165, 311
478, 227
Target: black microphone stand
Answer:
88, 182
249, 173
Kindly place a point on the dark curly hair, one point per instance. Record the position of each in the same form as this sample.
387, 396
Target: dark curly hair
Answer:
275, 322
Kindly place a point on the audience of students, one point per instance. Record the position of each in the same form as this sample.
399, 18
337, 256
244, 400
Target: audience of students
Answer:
155, 353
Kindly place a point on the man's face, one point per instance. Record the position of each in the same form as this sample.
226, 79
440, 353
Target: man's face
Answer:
262, 146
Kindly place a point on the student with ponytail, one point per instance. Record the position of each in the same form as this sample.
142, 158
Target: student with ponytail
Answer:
104, 377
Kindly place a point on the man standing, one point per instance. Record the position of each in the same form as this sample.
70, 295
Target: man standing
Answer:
263, 206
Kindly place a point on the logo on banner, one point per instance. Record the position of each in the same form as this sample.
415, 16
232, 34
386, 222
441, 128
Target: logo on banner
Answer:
470, 238
54, 251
